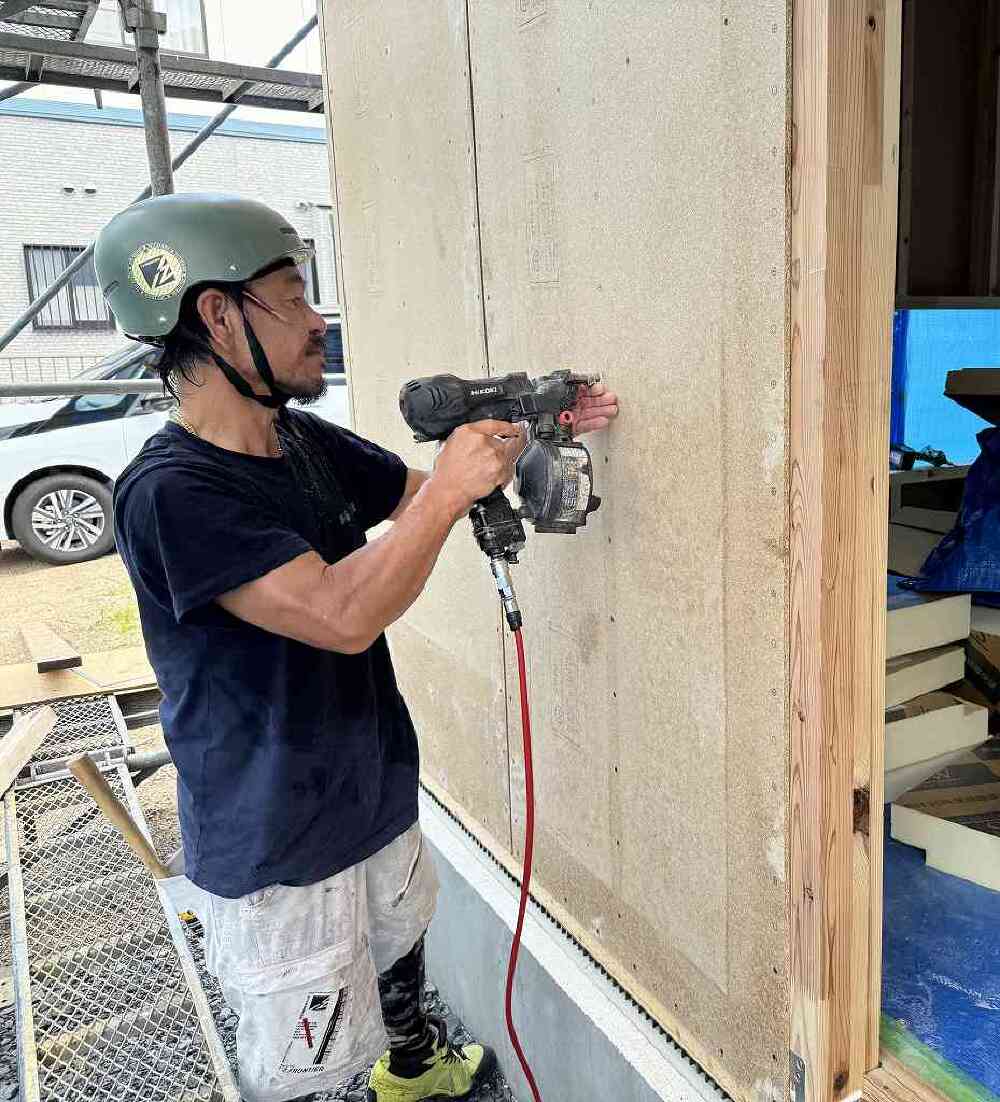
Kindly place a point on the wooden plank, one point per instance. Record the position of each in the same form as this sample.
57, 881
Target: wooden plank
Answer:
904, 60
843, 219
49, 651
100, 673
922, 1074
879, 234
892, 1082
21, 742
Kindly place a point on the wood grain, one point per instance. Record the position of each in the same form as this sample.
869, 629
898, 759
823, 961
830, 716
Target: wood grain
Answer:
879, 234
21, 742
843, 213
86, 772
892, 1082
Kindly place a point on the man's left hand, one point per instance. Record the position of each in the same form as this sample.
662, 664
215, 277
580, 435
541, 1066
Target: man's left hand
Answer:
594, 410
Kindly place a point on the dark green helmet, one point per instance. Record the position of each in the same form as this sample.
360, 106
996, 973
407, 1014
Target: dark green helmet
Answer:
148, 255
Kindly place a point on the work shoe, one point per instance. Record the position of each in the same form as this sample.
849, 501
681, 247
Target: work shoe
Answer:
451, 1073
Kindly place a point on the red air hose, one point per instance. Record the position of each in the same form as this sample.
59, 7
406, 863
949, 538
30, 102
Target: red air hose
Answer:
529, 845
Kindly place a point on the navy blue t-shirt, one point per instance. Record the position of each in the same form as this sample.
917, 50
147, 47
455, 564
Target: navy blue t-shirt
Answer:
293, 762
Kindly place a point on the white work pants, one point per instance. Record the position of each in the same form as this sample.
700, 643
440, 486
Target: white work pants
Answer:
300, 967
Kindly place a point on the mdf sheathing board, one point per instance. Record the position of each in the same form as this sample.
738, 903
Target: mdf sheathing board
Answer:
408, 241
631, 162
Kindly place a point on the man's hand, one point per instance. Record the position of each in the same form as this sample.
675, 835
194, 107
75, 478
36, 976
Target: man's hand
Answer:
594, 410
473, 463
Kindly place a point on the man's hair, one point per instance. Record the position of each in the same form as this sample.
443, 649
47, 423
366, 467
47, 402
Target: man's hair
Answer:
187, 344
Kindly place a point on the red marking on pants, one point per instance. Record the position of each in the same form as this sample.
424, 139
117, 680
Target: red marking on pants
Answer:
308, 1031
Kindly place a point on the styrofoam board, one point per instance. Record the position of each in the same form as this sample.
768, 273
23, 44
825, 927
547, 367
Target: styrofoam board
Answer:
944, 727
912, 675
916, 622
951, 848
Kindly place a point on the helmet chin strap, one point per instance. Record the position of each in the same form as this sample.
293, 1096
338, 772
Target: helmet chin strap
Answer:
277, 397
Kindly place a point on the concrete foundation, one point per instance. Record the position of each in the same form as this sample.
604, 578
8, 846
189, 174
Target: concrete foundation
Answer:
585, 1040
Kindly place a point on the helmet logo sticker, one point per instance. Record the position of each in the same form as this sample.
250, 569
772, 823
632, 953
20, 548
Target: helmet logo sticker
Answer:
157, 270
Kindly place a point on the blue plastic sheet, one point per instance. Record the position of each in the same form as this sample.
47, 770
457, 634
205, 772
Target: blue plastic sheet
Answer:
967, 560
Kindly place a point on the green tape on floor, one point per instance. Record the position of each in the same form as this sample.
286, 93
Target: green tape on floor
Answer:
932, 1067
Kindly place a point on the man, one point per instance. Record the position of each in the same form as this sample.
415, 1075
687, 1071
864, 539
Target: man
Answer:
242, 525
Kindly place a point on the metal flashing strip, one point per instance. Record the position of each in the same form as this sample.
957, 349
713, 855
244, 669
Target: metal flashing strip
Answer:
109, 1005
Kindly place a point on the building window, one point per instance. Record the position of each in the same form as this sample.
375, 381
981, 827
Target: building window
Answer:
80, 304
312, 274
186, 30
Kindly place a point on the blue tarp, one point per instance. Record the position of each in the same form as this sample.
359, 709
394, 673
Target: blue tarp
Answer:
926, 345
967, 560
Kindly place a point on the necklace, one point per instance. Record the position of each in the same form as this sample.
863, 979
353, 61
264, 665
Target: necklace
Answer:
178, 418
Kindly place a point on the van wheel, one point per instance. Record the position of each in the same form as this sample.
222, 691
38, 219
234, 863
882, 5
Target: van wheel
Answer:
64, 518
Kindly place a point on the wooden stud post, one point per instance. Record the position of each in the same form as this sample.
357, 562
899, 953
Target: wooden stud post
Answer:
842, 263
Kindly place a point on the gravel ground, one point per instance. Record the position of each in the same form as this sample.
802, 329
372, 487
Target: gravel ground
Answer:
90, 604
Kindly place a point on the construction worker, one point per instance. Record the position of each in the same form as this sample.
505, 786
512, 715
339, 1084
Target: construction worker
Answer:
242, 526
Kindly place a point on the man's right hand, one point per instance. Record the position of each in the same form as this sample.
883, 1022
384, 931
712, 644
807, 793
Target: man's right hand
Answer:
473, 463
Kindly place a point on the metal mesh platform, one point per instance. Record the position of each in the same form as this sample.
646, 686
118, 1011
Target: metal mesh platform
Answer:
57, 20
86, 724
109, 1004
46, 59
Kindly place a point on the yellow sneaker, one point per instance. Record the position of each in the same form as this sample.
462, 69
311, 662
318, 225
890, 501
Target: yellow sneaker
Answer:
451, 1073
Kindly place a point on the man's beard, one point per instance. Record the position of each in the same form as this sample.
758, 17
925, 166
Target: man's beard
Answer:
306, 390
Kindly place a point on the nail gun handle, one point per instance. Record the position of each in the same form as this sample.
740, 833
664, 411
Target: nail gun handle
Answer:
86, 772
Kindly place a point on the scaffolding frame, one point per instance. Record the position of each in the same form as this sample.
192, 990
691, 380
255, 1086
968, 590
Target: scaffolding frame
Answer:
33, 60
56, 55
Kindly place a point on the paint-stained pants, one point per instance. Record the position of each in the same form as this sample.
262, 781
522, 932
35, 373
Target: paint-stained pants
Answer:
300, 966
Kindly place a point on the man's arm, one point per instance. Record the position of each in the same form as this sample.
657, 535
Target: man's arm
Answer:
345, 606
414, 480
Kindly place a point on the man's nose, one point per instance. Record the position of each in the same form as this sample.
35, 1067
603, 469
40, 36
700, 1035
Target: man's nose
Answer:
317, 323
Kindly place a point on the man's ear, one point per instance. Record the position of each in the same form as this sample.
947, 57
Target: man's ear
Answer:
216, 312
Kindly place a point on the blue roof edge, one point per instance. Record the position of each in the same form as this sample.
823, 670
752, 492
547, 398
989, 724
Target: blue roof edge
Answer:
123, 116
